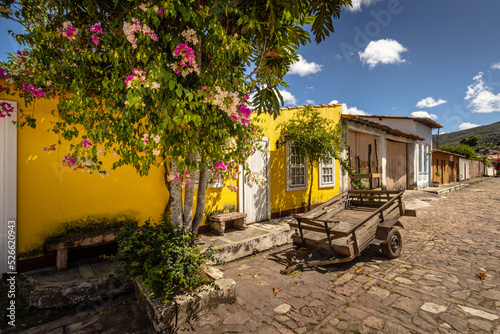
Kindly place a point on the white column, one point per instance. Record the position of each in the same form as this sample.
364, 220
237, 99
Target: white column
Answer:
8, 180
382, 159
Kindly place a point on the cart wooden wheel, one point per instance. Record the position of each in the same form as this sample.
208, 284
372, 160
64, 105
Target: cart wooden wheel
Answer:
392, 248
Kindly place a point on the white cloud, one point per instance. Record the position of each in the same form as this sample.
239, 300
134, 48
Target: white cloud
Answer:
356, 5
303, 67
352, 110
480, 96
429, 102
495, 66
309, 87
288, 98
349, 110
383, 51
424, 114
310, 101
467, 125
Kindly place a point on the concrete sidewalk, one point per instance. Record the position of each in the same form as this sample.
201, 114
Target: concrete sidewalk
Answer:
258, 237
446, 188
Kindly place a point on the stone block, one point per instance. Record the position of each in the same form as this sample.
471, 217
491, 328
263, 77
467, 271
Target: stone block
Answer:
184, 308
49, 288
217, 228
240, 224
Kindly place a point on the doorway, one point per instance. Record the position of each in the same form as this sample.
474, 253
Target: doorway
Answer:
255, 201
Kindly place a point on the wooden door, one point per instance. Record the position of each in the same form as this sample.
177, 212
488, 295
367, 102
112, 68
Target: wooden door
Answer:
397, 177
363, 155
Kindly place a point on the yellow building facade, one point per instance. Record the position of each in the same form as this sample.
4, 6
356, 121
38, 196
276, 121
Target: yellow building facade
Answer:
285, 199
50, 196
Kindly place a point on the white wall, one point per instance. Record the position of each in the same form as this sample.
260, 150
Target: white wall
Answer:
464, 168
8, 180
489, 170
423, 165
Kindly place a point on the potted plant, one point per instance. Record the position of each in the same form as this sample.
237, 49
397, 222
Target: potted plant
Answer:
436, 183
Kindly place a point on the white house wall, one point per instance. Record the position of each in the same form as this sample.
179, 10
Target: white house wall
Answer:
8, 182
423, 165
464, 168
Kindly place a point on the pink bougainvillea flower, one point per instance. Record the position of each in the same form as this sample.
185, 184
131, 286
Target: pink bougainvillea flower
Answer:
160, 11
70, 161
6, 109
97, 28
22, 55
4, 73
95, 39
86, 143
69, 31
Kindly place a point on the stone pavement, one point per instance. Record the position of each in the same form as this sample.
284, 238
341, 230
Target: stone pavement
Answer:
431, 288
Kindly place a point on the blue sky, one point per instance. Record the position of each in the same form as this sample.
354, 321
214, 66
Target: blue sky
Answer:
398, 57
439, 59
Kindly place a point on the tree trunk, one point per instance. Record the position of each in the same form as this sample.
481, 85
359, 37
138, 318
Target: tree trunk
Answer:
189, 196
200, 198
176, 199
168, 184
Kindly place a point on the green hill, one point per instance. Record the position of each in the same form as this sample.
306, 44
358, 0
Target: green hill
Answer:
486, 133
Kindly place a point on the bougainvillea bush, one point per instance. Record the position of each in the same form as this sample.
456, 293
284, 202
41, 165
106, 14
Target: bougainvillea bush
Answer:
160, 83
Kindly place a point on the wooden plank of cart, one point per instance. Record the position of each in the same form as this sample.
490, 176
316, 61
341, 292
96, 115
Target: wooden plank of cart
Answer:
340, 229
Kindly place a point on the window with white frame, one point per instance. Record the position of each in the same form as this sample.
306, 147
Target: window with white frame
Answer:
327, 173
296, 169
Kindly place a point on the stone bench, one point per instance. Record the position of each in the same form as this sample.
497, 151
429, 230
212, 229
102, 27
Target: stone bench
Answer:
218, 221
62, 244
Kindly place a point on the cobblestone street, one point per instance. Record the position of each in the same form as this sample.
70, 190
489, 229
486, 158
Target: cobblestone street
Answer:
431, 288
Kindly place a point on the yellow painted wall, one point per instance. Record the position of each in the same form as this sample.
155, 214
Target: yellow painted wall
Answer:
49, 194
281, 199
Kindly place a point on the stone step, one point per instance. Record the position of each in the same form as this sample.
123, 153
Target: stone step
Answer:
83, 282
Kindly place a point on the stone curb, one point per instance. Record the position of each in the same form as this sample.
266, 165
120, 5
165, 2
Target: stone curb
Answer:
240, 249
184, 308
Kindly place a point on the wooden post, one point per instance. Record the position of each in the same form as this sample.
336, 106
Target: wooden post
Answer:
370, 180
62, 257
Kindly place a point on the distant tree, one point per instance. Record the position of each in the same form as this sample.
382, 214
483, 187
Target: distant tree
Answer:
461, 149
485, 160
314, 137
472, 141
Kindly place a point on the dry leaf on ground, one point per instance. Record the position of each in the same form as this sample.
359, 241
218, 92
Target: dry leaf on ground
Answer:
276, 290
359, 271
481, 275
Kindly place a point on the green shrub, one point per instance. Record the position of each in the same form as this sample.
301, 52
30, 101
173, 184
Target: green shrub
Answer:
166, 259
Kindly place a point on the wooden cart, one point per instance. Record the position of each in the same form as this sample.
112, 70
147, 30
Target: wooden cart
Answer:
340, 229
